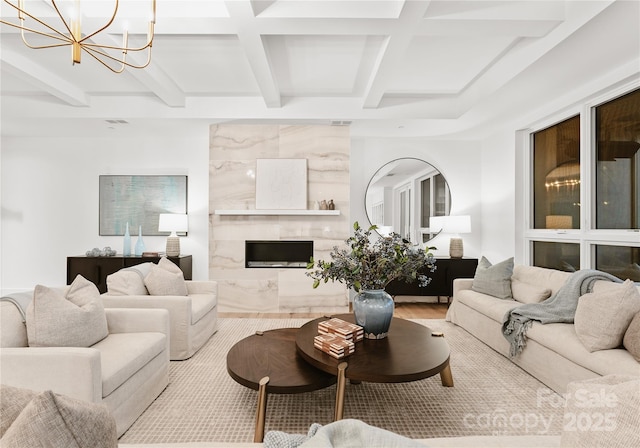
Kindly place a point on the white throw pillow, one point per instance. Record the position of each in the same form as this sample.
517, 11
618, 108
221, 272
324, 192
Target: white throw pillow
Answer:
129, 281
602, 318
527, 293
166, 279
494, 280
74, 319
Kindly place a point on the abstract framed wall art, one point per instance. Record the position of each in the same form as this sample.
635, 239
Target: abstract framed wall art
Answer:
139, 200
281, 184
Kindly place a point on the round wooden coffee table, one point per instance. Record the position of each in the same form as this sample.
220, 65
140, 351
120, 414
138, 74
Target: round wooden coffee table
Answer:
268, 362
410, 352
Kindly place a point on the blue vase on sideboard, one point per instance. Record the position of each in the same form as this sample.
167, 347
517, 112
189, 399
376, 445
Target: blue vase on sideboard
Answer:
126, 245
373, 310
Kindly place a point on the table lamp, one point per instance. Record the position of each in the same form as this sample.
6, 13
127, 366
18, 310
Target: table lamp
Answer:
173, 222
454, 225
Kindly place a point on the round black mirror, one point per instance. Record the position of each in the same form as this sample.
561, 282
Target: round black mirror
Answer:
403, 195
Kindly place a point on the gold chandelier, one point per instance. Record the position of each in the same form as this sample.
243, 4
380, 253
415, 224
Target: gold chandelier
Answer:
71, 35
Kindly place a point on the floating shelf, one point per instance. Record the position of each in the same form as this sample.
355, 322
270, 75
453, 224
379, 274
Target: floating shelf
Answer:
278, 212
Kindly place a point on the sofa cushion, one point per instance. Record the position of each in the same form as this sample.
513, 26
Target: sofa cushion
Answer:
602, 412
166, 279
123, 354
494, 280
534, 275
129, 281
631, 340
602, 318
201, 304
527, 293
53, 420
490, 306
561, 338
72, 319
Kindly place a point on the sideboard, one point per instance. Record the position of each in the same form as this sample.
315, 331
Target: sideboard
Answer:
96, 269
441, 284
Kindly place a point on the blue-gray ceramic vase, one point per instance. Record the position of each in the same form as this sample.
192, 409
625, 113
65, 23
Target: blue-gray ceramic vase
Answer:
373, 310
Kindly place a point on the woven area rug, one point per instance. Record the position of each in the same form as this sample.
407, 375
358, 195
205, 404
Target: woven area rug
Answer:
491, 396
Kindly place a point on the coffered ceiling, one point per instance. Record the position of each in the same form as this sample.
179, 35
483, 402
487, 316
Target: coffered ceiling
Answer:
387, 67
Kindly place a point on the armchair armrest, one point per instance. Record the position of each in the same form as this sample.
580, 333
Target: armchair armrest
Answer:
73, 371
460, 284
126, 320
202, 287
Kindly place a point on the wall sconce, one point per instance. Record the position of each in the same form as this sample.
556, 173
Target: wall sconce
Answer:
454, 225
171, 222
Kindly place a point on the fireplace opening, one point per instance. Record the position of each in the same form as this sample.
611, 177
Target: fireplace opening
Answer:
277, 254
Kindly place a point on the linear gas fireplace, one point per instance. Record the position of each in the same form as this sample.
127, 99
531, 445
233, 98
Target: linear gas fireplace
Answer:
277, 254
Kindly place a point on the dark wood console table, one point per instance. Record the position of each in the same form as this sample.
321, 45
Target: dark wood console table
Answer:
96, 269
441, 283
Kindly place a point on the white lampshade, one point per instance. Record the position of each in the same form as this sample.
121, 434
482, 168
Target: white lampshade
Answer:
454, 225
450, 224
173, 222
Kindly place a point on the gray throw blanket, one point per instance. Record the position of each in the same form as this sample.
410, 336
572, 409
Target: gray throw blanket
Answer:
560, 307
21, 300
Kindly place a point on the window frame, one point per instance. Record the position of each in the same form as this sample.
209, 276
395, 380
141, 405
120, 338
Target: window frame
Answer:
587, 236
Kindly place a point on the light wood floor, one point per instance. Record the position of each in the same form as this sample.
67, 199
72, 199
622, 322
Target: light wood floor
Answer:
403, 310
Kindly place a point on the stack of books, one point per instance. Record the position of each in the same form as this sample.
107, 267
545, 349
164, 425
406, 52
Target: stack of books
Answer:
334, 345
347, 330
338, 337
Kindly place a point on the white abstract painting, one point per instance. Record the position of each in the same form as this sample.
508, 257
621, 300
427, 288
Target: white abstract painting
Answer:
281, 184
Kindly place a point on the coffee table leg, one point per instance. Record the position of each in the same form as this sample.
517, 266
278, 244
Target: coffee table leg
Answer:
446, 377
340, 389
261, 411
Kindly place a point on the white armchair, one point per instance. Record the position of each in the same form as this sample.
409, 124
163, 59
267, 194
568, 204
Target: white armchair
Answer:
127, 370
194, 317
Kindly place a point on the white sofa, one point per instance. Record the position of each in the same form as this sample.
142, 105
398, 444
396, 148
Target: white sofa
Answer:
126, 371
192, 305
553, 354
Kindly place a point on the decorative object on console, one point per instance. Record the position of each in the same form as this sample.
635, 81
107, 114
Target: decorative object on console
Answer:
106, 252
454, 225
170, 222
126, 244
370, 264
140, 243
112, 56
331, 205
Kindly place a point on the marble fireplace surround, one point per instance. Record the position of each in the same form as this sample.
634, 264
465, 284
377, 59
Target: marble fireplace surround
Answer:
233, 218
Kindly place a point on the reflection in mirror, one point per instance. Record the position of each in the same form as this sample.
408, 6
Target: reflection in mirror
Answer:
403, 195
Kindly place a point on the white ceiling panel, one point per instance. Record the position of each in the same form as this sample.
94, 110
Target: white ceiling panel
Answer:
321, 65
445, 65
205, 65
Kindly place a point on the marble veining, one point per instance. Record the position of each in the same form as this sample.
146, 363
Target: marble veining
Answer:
232, 160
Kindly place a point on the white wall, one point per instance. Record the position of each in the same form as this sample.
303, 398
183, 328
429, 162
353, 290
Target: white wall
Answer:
498, 196
50, 198
459, 162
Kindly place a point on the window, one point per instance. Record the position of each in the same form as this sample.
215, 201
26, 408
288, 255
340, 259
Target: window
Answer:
560, 256
618, 163
566, 172
556, 174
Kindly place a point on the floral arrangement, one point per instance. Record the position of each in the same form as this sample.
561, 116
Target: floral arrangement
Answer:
372, 263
